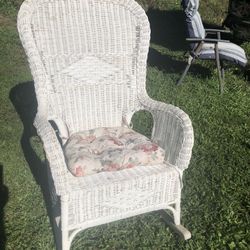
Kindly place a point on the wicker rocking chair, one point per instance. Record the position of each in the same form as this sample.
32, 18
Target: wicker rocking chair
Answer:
88, 60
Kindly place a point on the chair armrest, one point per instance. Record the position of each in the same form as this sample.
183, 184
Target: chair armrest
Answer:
245, 22
172, 131
214, 31
207, 40
54, 154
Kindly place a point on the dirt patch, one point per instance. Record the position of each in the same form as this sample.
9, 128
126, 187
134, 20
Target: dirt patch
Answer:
6, 21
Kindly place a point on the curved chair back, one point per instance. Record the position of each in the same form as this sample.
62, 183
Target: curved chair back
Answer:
87, 57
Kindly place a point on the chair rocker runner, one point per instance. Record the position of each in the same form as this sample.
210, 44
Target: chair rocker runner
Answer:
88, 60
206, 48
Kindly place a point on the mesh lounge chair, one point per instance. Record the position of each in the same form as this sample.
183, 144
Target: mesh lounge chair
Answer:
208, 48
88, 61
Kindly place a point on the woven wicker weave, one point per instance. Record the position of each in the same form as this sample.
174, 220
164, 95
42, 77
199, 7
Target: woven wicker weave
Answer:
88, 61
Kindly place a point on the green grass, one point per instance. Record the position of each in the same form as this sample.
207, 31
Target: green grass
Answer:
215, 203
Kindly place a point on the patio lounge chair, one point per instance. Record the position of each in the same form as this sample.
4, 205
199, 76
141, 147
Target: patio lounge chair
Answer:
88, 60
205, 48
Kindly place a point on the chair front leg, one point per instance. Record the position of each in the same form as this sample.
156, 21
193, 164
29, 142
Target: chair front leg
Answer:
64, 239
218, 35
190, 60
174, 222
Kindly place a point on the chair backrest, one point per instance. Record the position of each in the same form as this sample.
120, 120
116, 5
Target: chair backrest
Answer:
87, 58
193, 20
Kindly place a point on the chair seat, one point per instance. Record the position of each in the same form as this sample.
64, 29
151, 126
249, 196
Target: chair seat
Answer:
109, 149
227, 51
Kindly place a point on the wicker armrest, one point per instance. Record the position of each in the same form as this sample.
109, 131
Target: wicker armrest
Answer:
173, 131
54, 154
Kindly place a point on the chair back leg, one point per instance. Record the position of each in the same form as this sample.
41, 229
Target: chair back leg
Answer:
220, 69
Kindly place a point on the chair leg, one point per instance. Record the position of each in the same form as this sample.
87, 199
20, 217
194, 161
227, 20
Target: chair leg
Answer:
65, 241
220, 69
174, 221
183, 232
190, 60
64, 233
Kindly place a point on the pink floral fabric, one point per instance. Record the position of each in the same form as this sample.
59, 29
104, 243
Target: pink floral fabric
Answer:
109, 149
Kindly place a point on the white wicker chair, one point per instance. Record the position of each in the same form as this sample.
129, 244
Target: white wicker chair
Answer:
88, 61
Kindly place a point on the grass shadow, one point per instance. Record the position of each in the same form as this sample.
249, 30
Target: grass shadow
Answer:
4, 197
23, 98
169, 65
168, 29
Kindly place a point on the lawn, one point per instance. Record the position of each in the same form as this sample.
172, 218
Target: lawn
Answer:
215, 197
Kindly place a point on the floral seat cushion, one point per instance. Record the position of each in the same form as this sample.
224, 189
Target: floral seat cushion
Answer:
109, 149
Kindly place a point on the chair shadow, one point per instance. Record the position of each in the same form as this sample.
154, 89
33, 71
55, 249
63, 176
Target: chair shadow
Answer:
4, 197
167, 64
168, 30
23, 99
